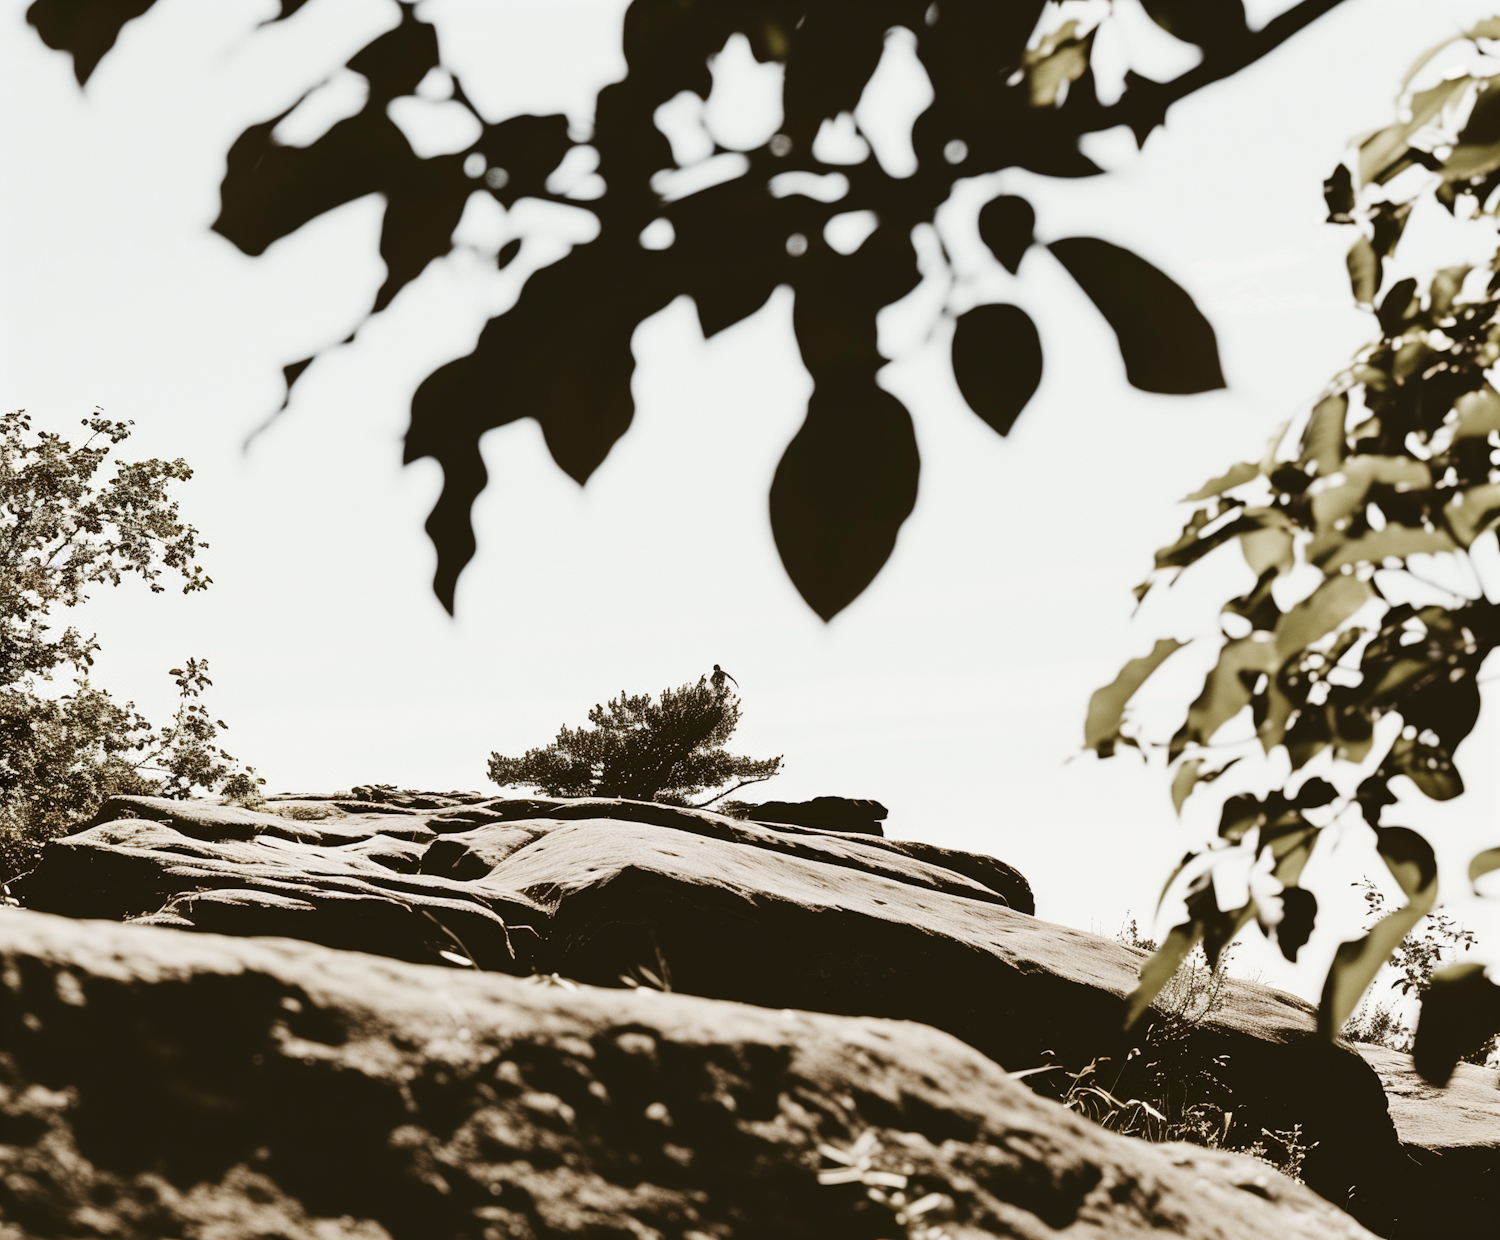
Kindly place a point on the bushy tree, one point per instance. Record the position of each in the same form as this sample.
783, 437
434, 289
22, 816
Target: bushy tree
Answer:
1360, 643
643, 750
62, 532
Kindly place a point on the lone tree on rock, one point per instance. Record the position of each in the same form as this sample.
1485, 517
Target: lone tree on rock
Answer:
643, 750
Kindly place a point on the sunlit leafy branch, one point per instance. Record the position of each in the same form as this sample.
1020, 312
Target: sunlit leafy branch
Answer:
1393, 465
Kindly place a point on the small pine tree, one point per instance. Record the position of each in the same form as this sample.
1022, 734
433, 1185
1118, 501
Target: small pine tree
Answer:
643, 750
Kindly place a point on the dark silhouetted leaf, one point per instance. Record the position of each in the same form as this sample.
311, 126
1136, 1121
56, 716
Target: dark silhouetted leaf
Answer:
1389, 220
1167, 344
1409, 858
997, 360
561, 355
1398, 306
1298, 913
1101, 729
1460, 1011
1315, 793
1208, 23
85, 28
1338, 193
844, 486
1005, 225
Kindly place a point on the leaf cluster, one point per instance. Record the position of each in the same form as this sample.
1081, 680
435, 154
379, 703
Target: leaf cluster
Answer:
64, 530
642, 749
726, 227
1396, 463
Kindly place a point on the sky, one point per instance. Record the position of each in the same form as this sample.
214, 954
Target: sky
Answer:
953, 690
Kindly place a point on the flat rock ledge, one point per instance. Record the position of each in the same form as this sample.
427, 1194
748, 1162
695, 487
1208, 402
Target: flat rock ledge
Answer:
155, 1083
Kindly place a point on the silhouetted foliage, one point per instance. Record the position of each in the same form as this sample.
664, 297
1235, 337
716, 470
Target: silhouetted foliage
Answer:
643, 750
62, 532
1008, 92
1390, 472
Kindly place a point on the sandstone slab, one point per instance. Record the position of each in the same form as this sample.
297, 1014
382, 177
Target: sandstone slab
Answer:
1450, 1138
156, 1084
800, 933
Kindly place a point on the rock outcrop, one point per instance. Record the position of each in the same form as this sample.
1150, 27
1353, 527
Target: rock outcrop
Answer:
1450, 1139
783, 916
824, 813
156, 1084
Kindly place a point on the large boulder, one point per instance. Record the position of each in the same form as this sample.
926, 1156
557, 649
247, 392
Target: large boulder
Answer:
1450, 1138
720, 922
156, 1084
825, 813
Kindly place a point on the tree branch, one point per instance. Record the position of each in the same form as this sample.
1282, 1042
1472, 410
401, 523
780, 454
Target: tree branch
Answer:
1144, 105
759, 779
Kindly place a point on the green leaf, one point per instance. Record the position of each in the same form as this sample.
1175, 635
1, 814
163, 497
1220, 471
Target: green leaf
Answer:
1478, 413
1270, 547
1364, 271
1387, 146
1473, 512
1460, 1011
1061, 57
1429, 767
1328, 606
1409, 858
1483, 864
1107, 707
1187, 779
1323, 440
1158, 970
1224, 691
1395, 540
1445, 288
1238, 475
1184, 782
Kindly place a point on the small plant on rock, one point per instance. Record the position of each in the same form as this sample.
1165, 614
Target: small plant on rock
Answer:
642, 749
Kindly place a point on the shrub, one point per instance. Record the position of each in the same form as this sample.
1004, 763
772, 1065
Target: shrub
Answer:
644, 750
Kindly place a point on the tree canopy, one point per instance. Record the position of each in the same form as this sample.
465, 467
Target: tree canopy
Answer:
1361, 641
807, 206
62, 532
643, 750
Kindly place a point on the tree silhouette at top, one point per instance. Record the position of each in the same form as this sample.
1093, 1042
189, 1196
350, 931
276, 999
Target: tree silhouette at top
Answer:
643, 751
1006, 93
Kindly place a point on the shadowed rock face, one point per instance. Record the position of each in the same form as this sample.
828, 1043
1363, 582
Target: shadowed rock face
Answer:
155, 1084
1450, 1139
782, 916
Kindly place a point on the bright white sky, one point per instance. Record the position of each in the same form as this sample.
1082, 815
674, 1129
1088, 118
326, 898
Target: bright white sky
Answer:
953, 690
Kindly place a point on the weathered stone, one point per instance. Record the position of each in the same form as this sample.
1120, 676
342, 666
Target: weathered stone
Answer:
988, 872
805, 934
824, 813
474, 853
1451, 1141
157, 1084
341, 896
